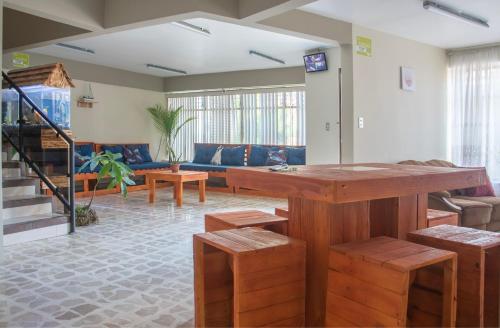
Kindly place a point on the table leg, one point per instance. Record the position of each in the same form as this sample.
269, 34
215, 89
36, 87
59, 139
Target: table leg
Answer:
152, 190
178, 192
201, 187
175, 190
321, 225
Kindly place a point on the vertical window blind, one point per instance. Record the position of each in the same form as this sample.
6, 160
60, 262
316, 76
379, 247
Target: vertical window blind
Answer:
270, 116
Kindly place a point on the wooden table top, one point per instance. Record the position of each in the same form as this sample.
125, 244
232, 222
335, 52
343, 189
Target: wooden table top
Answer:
355, 182
181, 175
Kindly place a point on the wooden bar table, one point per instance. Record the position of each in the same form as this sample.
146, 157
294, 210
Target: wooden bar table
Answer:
334, 204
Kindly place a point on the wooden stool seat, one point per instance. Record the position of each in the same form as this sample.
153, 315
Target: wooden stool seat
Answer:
245, 219
437, 217
248, 277
478, 285
281, 211
385, 282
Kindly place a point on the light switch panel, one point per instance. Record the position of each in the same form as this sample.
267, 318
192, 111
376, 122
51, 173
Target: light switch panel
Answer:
327, 126
361, 122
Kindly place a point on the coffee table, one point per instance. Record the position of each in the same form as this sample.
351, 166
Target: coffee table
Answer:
178, 180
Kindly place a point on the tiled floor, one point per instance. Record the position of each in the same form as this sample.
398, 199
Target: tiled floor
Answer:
133, 269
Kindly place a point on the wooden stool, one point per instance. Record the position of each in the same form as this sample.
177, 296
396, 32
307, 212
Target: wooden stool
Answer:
385, 282
478, 282
244, 219
248, 277
436, 217
283, 212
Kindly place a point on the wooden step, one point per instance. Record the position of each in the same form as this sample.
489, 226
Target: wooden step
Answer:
19, 186
34, 227
17, 206
11, 164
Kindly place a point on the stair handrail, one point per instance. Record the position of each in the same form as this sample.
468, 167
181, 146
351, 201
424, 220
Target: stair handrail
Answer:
69, 204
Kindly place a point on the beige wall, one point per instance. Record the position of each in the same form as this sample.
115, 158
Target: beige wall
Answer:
238, 79
119, 116
399, 125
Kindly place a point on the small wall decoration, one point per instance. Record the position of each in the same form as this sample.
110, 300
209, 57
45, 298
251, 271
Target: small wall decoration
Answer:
20, 60
408, 82
364, 46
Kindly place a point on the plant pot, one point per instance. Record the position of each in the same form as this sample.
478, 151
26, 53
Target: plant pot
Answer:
85, 218
175, 167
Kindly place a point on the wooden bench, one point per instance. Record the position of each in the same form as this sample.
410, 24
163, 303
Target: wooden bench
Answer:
245, 219
478, 270
385, 282
436, 217
248, 277
281, 211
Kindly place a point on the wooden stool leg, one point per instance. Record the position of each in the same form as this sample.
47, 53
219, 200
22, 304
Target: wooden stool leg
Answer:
152, 190
449, 293
174, 190
201, 187
179, 191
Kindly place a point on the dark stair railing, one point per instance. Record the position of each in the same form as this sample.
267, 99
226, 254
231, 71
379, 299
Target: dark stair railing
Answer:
68, 201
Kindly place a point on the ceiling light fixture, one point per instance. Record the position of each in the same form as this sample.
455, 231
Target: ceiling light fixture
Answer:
256, 53
163, 68
454, 13
193, 28
77, 48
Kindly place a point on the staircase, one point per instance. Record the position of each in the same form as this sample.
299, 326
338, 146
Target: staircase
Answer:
37, 172
27, 214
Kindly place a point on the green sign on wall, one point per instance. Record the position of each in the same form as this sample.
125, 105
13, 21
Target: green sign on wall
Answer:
364, 46
20, 60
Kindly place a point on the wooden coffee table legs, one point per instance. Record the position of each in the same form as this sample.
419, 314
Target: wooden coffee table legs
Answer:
177, 192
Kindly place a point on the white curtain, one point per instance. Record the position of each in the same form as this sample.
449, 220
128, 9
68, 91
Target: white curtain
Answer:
474, 109
273, 117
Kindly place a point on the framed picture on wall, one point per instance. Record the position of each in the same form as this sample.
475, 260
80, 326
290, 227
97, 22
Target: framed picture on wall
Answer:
408, 82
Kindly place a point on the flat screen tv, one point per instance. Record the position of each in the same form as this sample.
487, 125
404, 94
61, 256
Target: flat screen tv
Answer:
315, 62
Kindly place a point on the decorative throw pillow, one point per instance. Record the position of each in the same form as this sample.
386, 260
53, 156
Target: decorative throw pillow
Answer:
144, 150
80, 159
132, 156
217, 158
234, 156
203, 154
115, 149
259, 154
296, 155
276, 157
485, 190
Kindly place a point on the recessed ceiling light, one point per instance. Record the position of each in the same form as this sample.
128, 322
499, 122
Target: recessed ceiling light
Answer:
454, 13
193, 28
163, 68
260, 54
76, 48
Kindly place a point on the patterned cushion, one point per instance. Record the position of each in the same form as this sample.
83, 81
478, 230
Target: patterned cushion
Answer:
276, 157
132, 156
296, 155
233, 156
259, 154
85, 149
203, 154
143, 150
80, 159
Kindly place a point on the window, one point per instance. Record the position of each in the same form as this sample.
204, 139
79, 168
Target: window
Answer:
273, 117
474, 109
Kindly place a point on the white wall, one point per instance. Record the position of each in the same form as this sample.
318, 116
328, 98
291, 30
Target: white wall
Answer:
399, 125
119, 116
322, 106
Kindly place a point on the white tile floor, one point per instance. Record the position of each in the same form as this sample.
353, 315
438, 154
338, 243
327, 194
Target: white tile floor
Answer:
133, 269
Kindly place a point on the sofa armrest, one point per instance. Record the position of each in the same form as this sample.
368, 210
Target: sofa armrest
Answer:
442, 194
441, 201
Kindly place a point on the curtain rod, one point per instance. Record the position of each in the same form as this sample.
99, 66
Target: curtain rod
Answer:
222, 90
481, 46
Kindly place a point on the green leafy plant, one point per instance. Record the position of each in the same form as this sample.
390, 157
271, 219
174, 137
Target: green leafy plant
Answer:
169, 123
118, 174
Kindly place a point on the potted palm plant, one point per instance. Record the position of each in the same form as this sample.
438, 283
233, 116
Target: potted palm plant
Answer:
169, 123
118, 174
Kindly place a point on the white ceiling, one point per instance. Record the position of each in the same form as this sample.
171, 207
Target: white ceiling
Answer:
175, 47
407, 18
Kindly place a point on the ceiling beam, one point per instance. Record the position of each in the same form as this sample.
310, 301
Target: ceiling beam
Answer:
257, 10
83, 14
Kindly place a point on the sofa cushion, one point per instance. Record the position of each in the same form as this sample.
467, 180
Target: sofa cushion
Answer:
259, 154
233, 156
493, 201
143, 149
474, 213
203, 154
204, 167
115, 149
296, 155
149, 166
132, 156
85, 149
